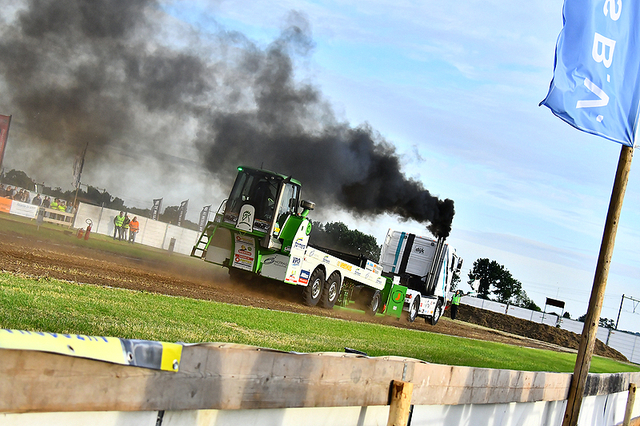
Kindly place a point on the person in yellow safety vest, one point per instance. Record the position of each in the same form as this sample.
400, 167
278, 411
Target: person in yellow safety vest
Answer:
134, 227
54, 206
117, 222
125, 227
455, 304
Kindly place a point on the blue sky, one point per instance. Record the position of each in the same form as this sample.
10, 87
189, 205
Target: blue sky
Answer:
456, 88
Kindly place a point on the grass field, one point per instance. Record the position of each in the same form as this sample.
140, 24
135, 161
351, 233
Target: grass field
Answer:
43, 304
62, 307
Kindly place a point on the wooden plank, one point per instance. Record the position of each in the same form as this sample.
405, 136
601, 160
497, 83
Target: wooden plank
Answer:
226, 376
56, 221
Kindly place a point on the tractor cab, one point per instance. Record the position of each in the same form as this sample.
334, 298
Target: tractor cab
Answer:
266, 205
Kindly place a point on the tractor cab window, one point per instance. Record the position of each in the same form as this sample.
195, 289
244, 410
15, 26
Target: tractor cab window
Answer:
264, 198
289, 200
257, 189
240, 193
288, 205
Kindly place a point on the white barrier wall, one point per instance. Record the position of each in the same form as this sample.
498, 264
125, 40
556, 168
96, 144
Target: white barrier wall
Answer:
185, 239
622, 342
627, 344
152, 232
518, 312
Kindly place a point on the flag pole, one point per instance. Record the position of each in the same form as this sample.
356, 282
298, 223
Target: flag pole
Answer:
591, 322
75, 198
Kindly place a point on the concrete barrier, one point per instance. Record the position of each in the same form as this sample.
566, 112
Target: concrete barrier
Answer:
224, 384
152, 233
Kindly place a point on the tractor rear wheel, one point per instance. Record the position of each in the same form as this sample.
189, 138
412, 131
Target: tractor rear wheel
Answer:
313, 290
331, 291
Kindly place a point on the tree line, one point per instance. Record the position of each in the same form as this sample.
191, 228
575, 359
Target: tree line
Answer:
493, 279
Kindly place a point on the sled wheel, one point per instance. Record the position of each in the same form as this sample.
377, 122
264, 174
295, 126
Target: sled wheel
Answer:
374, 303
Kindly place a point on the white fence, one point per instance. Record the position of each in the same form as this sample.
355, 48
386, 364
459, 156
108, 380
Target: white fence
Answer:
152, 232
627, 344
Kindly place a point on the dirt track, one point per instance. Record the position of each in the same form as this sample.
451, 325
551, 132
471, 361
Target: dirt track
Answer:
43, 259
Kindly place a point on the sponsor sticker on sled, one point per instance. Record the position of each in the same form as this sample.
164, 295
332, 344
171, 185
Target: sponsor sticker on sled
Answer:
304, 277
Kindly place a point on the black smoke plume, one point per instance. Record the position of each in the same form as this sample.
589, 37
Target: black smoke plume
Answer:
117, 72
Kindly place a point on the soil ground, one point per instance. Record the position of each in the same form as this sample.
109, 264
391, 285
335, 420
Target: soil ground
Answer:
37, 258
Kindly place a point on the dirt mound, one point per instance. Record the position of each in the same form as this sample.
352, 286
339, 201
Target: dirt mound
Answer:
532, 330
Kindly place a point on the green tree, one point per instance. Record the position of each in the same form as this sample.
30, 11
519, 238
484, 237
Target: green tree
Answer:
603, 322
20, 179
524, 301
497, 280
170, 215
566, 315
338, 236
486, 272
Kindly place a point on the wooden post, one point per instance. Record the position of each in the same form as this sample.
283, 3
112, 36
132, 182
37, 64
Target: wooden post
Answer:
400, 403
590, 328
631, 400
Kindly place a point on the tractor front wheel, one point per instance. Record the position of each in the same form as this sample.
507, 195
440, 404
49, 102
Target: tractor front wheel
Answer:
413, 309
437, 312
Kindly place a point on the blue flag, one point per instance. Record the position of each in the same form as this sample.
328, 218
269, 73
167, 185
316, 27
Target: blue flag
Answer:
596, 80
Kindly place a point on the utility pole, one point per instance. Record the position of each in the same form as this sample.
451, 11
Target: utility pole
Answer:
77, 172
619, 310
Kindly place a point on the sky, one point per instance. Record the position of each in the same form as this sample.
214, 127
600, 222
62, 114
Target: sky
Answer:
449, 91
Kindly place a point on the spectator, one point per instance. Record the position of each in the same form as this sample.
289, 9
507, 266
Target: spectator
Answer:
3, 191
37, 200
118, 221
125, 227
46, 203
54, 206
134, 227
62, 207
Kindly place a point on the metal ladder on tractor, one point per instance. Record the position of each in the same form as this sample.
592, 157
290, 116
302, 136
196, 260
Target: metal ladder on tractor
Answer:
200, 249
